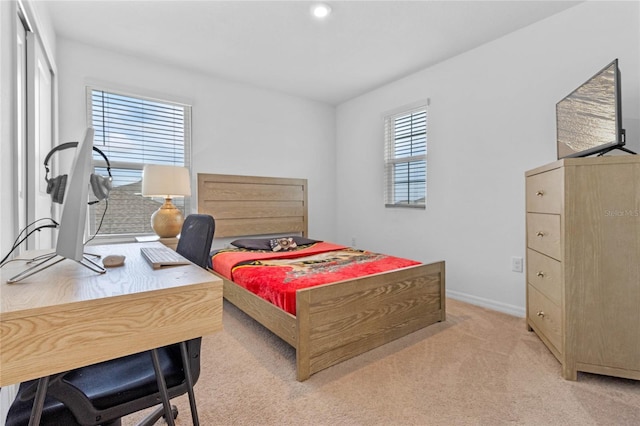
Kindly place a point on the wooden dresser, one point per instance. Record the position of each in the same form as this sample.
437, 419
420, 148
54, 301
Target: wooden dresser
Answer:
583, 263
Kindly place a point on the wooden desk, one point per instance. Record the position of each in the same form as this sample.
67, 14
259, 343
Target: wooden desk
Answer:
68, 316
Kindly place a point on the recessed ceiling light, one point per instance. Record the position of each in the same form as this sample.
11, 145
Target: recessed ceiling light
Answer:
321, 10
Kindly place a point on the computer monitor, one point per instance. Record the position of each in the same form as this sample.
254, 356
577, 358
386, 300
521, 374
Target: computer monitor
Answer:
70, 242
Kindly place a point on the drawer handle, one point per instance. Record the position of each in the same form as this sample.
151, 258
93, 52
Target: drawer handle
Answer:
540, 234
540, 193
540, 314
540, 274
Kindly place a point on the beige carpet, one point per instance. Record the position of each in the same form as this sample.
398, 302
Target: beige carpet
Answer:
480, 367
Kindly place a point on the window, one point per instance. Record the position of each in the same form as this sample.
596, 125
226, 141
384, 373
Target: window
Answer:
133, 131
406, 158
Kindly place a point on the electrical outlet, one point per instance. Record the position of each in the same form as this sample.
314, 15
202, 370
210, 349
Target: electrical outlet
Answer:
516, 264
353, 241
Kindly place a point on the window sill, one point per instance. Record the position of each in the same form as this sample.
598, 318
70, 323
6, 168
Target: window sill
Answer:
100, 240
407, 206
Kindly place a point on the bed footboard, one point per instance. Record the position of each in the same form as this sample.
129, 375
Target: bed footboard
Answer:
338, 321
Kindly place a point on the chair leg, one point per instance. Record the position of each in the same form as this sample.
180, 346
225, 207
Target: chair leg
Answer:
162, 387
152, 418
38, 401
187, 375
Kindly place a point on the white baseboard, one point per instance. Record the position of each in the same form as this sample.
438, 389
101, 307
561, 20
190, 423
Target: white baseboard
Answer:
517, 311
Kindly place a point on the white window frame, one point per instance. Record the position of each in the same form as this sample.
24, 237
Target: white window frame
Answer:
100, 164
413, 160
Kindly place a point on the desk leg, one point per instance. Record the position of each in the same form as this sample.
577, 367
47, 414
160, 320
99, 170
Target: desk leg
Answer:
187, 375
162, 387
38, 401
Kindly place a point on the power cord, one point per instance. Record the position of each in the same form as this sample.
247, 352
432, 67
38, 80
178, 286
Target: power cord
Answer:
54, 224
106, 207
19, 241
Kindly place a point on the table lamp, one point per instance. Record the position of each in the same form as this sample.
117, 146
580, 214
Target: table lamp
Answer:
166, 182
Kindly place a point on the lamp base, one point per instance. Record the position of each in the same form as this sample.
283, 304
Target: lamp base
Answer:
167, 220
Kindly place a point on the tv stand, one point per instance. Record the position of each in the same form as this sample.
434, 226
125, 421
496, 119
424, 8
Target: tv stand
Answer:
616, 147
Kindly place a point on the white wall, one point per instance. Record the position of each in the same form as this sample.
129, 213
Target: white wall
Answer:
492, 117
236, 129
41, 26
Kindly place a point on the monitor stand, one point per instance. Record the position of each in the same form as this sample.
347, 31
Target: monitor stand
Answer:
42, 263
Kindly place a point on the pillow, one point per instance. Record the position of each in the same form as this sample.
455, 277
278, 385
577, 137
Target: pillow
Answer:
252, 244
302, 241
282, 244
265, 243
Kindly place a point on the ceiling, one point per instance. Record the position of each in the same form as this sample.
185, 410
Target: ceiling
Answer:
278, 45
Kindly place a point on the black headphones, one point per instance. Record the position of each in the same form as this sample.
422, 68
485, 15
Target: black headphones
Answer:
100, 185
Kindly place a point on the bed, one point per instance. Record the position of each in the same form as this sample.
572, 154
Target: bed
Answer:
332, 322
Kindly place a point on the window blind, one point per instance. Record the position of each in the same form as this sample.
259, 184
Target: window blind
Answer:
133, 131
406, 158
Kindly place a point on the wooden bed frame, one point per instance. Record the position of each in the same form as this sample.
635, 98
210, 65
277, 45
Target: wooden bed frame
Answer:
333, 322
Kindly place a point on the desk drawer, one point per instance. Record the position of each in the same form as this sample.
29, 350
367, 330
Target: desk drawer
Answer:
544, 192
543, 234
546, 316
544, 273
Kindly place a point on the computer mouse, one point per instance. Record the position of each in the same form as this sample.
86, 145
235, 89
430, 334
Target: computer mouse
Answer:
113, 260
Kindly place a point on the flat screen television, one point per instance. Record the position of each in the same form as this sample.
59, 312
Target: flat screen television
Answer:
589, 119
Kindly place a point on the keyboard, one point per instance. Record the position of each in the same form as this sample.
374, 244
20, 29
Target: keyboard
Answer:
162, 256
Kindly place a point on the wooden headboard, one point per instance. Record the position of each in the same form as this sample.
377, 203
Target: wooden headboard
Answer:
253, 205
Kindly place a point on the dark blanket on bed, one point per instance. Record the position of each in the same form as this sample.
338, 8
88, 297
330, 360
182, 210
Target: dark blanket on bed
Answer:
275, 276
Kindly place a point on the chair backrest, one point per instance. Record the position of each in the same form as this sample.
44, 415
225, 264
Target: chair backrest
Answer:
196, 238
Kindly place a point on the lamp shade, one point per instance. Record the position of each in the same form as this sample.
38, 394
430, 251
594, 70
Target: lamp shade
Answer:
165, 181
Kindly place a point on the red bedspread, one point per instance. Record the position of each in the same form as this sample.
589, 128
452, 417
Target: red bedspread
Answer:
275, 276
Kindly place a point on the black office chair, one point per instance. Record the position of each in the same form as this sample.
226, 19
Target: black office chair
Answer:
101, 394
196, 238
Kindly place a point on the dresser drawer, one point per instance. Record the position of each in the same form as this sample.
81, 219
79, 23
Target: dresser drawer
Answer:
544, 192
546, 316
543, 234
544, 273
